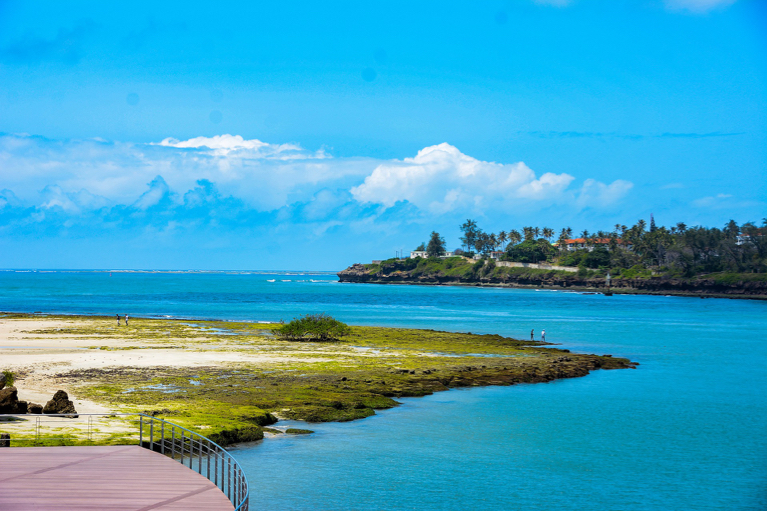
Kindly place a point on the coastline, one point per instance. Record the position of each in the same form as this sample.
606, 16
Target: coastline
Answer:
230, 379
522, 278
568, 289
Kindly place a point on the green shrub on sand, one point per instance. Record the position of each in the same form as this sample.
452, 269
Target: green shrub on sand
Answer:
317, 327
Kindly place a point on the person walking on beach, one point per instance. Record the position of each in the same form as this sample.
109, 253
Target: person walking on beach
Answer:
543, 335
126, 320
118, 319
532, 334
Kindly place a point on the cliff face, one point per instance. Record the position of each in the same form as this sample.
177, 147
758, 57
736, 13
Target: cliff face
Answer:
359, 273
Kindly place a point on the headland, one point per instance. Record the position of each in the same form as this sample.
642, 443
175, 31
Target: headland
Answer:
460, 271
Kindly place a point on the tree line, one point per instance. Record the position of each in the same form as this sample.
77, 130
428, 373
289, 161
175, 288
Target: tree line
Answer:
677, 249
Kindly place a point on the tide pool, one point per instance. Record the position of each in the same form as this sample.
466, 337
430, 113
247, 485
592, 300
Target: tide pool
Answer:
684, 431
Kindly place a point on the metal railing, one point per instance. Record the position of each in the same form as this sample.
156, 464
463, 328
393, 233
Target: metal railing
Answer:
191, 449
195, 450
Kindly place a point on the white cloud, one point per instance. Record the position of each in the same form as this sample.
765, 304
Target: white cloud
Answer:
265, 176
593, 193
226, 171
441, 178
223, 145
697, 6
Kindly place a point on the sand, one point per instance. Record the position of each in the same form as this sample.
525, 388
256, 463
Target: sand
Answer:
37, 357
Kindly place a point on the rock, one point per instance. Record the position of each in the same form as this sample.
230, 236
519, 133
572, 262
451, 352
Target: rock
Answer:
2, 381
5, 440
298, 431
21, 407
60, 404
34, 408
9, 400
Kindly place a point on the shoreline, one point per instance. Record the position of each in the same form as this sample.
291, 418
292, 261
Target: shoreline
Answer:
232, 379
566, 289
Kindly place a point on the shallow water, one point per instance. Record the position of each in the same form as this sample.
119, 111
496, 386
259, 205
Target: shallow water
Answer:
685, 431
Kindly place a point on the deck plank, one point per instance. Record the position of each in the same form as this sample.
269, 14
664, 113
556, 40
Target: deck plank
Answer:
102, 477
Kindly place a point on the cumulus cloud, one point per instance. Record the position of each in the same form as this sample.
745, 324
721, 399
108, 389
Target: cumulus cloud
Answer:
226, 183
441, 178
697, 6
265, 176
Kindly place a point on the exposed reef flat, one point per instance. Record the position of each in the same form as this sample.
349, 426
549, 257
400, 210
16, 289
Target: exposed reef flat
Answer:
459, 272
230, 379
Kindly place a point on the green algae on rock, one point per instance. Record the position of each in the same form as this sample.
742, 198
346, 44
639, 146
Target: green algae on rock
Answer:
228, 380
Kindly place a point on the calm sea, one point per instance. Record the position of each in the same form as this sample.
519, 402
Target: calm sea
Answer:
687, 430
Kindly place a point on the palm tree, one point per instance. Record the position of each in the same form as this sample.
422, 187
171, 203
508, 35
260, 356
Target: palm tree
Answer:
681, 227
502, 239
529, 233
536, 232
514, 237
548, 233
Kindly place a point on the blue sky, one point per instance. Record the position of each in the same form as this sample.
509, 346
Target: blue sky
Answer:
315, 135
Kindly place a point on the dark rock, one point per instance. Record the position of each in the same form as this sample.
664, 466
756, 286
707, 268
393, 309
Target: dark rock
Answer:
9, 400
2, 381
34, 408
60, 404
21, 407
5, 440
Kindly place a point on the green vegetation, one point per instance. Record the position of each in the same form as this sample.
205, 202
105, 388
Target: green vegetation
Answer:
8, 378
629, 252
340, 380
318, 327
436, 246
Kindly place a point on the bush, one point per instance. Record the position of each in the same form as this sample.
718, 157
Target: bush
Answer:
319, 327
9, 378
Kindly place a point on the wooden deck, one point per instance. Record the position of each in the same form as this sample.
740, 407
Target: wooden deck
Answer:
102, 478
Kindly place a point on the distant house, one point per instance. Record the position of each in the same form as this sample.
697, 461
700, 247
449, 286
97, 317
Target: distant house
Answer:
583, 244
496, 254
422, 253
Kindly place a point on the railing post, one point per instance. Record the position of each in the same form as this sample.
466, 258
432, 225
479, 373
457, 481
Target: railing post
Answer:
199, 454
173, 441
181, 451
151, 434
162, 437
141, 430
208, 465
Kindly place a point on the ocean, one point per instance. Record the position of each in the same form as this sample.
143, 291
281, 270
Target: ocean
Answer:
686, 430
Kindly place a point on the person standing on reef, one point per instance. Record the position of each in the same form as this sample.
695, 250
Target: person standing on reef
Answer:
118, 319
543, 335
126, 320
532, 334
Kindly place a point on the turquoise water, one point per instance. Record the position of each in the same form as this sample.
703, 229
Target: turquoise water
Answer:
687, 430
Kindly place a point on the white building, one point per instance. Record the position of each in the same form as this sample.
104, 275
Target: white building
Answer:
422, 253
